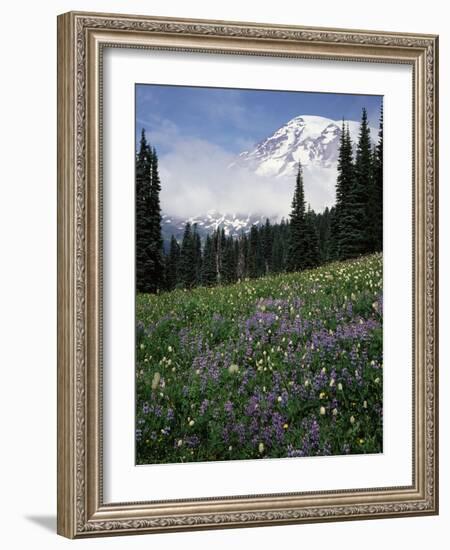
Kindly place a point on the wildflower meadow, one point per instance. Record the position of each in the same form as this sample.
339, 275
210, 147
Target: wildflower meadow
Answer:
286, 365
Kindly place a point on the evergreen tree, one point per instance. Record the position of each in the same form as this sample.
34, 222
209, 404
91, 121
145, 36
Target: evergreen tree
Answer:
351, 215
345, 222
377, 191
218, 249
253, 252
155, 243
149, 243
209, 274
342, 182
323, 229
312, 256
285, 232
334, 236
277, 258
242, 260
228, 262
172, 264
143, 214
236, 257
362, 192
267, 242
187, 271
197, 245
297, 240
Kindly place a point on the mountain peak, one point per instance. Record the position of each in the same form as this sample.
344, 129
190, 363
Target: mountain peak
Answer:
310, 139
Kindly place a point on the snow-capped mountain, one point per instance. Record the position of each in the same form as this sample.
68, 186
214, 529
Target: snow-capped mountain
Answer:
267, 172
233, 224
312, 140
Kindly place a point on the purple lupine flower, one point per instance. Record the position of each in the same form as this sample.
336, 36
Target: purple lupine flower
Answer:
203, 406
192, 441
239, 430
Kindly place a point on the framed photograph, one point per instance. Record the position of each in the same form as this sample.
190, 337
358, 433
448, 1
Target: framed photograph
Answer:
247, 274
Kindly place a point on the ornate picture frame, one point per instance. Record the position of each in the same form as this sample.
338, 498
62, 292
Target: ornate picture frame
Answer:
82, 38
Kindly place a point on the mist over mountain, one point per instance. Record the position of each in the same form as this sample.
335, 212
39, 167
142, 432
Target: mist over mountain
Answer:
204, 184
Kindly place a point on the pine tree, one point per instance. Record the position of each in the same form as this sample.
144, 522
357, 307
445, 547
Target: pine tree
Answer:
242, 267
155, 244
361, 192
172, 264
285, 232
209, 274
228, 262
267, 241
197, 245
187, 269
342, 186
149, 243
218, 250
323, 229
277, 250
342, 177
351, 214
345, 221
143, 226
253, 252
312, 256
333, 242
297, 240
236, 257
377, 191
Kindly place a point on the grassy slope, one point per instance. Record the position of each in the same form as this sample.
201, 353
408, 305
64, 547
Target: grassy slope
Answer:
288, 365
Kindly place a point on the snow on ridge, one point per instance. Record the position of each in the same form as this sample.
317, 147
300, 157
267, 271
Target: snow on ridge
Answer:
310, 139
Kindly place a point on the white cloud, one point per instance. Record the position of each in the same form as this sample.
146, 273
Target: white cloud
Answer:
196, 177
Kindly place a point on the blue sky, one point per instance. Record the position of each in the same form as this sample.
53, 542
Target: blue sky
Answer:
235, 119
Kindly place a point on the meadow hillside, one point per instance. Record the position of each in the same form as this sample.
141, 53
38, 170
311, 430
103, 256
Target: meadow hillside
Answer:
281, 366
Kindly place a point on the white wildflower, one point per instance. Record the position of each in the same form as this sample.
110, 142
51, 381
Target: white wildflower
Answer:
155, 381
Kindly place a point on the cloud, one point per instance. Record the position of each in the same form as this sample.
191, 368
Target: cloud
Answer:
196, 177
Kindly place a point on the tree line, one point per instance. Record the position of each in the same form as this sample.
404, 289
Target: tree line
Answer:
353, 227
